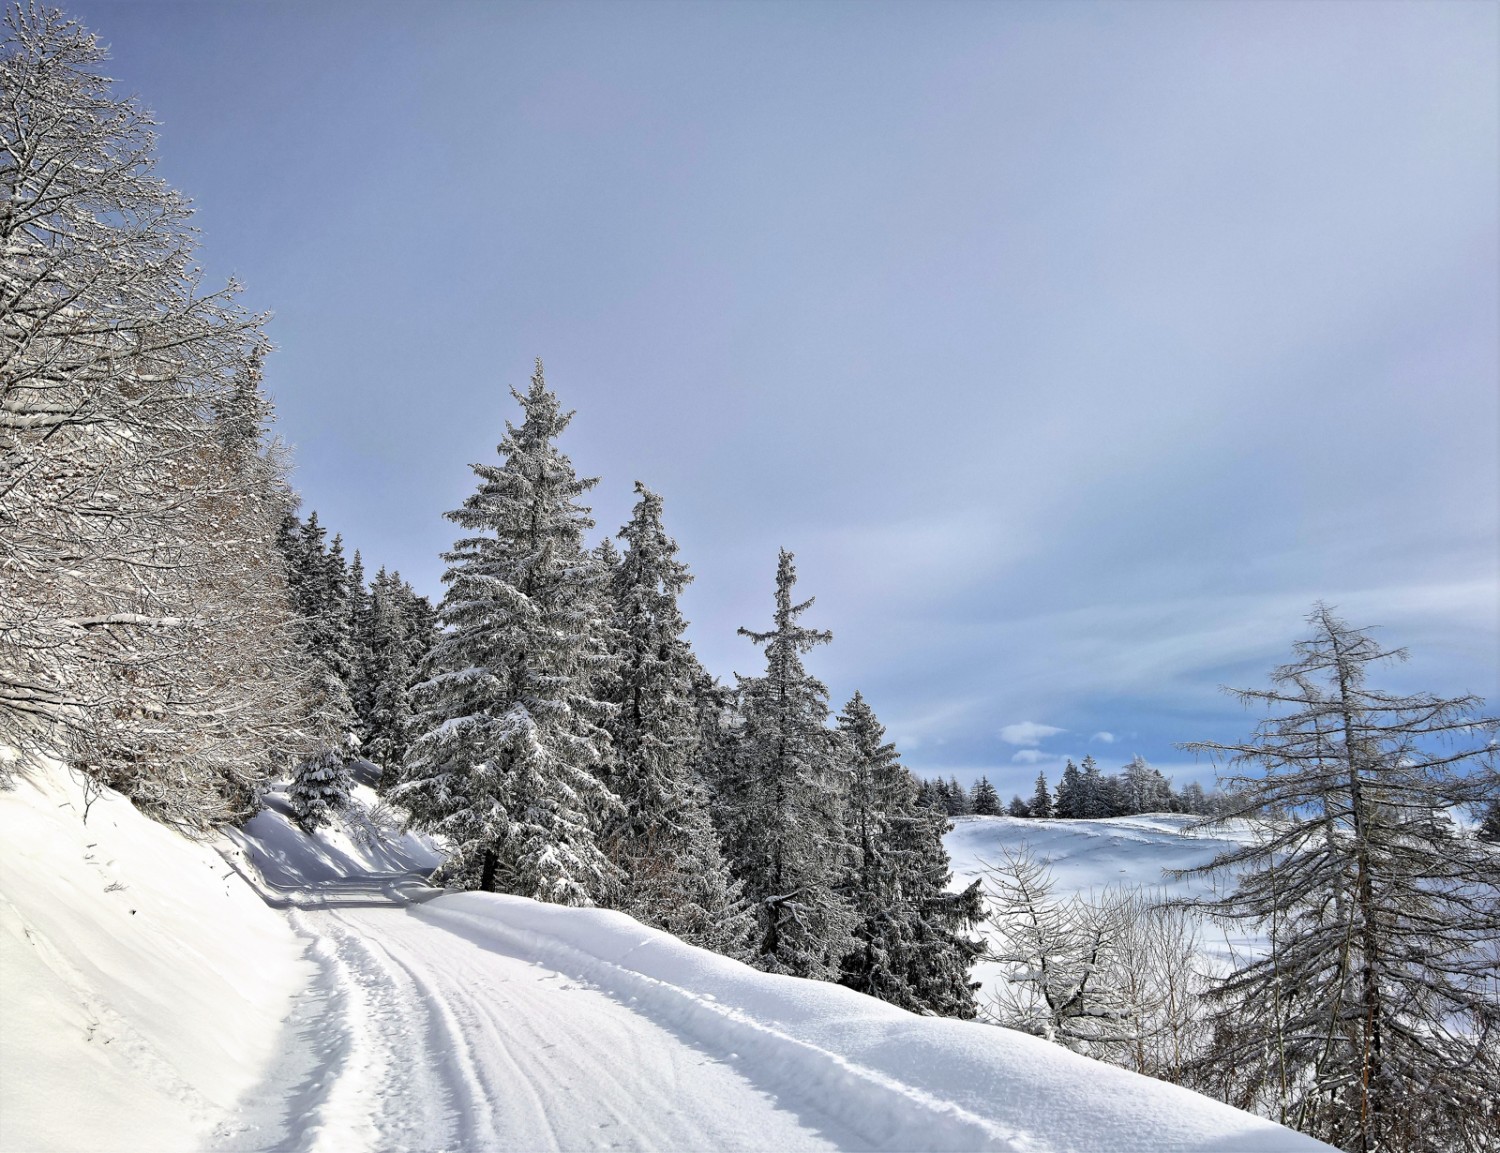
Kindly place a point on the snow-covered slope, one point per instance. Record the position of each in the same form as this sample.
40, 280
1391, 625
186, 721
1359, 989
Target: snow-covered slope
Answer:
468, 1021
144, 986
1089, 856
1085, 855
365, 857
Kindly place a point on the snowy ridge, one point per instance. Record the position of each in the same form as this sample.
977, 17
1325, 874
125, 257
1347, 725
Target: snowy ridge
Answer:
1089, 856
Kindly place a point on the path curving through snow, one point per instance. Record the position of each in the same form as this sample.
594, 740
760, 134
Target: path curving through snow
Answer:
480, 1022
446, 1043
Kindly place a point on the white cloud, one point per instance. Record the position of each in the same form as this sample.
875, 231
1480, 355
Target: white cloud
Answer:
1103, 738
1028, 733
1032, 756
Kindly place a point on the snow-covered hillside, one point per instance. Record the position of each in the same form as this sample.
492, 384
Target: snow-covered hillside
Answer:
1086, 856
145, 986
373, 1014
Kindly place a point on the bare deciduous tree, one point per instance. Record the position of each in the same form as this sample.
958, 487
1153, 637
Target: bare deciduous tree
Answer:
142, 608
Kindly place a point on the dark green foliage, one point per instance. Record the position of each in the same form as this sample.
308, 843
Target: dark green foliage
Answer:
912, 946
509, 738
783, 802
1069, 804
1489, 827
662, 840
1041, 798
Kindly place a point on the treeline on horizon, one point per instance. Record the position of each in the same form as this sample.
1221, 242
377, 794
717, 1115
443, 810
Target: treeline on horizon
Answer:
1083, 793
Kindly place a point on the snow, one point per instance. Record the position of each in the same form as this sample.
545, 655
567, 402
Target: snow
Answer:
368, 1011
1088, 856
364, 858
144, 986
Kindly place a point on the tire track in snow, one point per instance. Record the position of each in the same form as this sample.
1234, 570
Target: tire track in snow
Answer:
524, 1057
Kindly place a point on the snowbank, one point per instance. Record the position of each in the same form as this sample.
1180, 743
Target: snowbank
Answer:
144, 986
364, 858
905, 1082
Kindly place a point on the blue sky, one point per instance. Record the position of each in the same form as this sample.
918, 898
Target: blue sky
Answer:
1075, 349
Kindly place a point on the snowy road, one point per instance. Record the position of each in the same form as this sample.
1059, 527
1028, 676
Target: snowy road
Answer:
440, 1041
484, 1022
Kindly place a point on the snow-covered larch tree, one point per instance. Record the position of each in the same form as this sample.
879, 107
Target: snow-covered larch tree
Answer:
509, 744
1372, 1020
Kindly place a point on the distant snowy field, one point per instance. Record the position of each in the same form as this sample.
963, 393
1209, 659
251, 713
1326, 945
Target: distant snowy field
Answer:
154, 1001
1088, 856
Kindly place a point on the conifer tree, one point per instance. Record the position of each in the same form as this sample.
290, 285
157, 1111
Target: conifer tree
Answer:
320, 789
784, 831
912, 946
943, 947
1371, 1021
959, 803
662, 839
509, 740
1194, 800
388, 673
1093, 795
985, 801
320, 595
1041, 798
1070, 796
358, 596
1018, 807
1489, 827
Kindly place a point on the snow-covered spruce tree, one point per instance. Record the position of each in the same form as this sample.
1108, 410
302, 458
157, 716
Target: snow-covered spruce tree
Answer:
321, 596
663, 841
358, 596
508, 742
1489, 826
141, 618
1018, 807
1041, 798
1372, 1020
1094, 801
1069, 802
387, 676
945, 950
1144, 788
783, 799
985, 801
912, 941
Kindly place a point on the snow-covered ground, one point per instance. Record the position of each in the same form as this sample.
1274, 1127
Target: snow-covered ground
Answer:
369, 1013
145, 987
1089, 856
